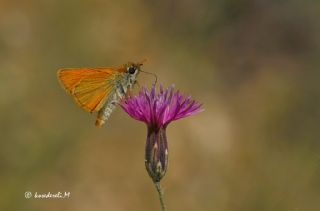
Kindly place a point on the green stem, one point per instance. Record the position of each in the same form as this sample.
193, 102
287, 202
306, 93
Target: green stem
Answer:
160, 192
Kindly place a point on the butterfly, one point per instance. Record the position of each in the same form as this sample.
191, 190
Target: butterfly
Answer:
99, 89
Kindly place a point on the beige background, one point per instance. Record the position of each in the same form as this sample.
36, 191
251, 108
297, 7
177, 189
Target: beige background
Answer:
253, 64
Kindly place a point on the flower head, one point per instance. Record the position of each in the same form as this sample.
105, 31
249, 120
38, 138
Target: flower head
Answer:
157, 110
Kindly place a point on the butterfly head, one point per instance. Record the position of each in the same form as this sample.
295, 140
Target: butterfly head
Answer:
133, 69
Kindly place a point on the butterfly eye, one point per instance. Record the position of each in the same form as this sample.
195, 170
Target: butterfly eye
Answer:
131, 70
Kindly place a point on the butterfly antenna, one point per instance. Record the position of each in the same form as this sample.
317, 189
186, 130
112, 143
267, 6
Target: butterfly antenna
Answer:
155, 82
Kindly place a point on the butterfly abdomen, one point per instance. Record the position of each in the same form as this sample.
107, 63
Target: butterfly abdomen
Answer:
99, 122
104, 113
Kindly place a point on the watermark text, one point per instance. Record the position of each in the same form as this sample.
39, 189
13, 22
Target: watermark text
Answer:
48, 195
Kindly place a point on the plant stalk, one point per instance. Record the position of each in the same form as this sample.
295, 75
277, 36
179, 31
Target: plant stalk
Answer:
160, 192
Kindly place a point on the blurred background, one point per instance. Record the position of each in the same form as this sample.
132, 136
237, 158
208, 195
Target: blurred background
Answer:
253, 64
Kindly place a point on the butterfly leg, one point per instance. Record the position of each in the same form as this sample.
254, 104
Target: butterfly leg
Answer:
129, 94
136, 82
124, 91
130, 88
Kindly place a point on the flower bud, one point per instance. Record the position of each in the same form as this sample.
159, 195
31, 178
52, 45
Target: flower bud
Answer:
156, 154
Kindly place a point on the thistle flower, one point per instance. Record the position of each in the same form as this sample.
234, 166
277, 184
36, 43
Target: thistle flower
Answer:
157, 110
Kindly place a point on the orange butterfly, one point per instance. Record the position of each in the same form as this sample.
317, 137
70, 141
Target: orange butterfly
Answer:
99, 89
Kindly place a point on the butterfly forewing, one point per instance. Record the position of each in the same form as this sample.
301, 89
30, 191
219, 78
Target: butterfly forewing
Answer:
90, 87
